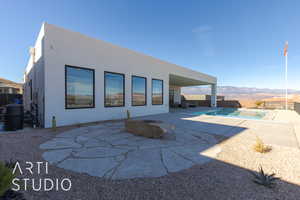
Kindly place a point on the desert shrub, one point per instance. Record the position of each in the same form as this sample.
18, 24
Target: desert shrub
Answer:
261, 178
128, 114
260, 147
10, 164
259, 103
6, 177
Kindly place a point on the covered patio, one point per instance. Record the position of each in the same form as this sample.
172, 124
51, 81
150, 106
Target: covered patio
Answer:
176, 82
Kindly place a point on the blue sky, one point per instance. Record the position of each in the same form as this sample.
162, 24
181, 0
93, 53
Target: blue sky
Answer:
240, 42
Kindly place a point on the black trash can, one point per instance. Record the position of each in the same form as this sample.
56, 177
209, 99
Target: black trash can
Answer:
14, 117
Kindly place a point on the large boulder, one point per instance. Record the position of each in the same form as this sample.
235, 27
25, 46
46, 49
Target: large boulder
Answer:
146, 128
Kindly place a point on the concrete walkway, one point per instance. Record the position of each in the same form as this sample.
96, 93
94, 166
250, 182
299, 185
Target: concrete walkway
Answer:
281, 130
106, 150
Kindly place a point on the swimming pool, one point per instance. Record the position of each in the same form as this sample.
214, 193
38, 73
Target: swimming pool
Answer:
237, 113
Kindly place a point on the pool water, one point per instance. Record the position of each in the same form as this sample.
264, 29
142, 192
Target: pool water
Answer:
229, 112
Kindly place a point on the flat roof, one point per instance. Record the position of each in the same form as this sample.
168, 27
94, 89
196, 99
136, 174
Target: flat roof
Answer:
184, 76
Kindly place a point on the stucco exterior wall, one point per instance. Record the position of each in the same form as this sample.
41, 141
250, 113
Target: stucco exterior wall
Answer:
35, 72
57, 47
64, 47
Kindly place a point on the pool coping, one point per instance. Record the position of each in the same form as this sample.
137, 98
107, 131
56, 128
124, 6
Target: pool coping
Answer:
269, 117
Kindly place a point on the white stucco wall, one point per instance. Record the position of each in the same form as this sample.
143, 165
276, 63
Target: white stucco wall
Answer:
35, 71
63, 47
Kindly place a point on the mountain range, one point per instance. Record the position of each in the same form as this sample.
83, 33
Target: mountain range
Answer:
231, 92
225, 90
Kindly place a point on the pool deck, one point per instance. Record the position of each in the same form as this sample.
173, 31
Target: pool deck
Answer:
292, 118
278, 127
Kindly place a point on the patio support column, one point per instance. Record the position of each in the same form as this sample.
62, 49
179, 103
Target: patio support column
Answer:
213, 99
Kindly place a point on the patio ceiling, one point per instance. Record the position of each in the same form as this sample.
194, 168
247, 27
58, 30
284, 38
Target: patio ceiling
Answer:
185, 81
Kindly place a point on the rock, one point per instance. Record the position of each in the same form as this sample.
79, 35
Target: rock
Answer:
142, 163
56, 155
96, 143
146, 128
175, 162
60, 143
100, 152
94, 167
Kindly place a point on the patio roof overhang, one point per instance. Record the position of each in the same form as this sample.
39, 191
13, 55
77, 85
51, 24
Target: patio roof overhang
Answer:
184, 81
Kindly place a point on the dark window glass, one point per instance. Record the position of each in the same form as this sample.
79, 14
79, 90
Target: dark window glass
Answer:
79, 87
138, 91
114, 89
157, 92
30, 85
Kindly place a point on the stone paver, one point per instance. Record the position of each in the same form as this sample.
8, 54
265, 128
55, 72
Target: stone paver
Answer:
175, 162
57, 155
94, 167
142, 163
99, 152
60, 143
95, 143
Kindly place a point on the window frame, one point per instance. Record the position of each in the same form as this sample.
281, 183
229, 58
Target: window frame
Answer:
84, 68
123, 75
152, 91
135, 76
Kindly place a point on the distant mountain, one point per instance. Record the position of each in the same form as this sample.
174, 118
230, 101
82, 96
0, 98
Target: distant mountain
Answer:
247, 96
230, 90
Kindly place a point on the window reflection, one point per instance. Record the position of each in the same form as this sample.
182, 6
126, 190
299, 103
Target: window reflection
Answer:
157, 92
114, 89
138, 91
79, 87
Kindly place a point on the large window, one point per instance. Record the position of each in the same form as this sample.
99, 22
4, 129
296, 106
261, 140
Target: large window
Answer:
114, 89
157, 92
79, 87
139, 91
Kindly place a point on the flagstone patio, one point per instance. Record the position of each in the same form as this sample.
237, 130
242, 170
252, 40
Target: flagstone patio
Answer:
107, 150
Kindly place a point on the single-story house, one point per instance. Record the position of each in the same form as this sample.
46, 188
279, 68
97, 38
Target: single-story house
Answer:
10, 87
79, 79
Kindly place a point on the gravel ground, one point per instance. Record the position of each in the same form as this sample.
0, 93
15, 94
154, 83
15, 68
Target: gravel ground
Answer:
227, 177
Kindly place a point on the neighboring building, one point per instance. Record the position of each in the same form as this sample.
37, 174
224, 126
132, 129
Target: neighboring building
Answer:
79, 79
10, 87
204, 97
